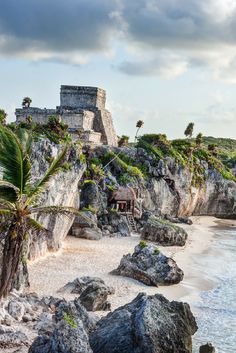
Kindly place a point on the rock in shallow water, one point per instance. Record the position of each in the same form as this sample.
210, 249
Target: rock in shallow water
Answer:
149, 266
148, 324
207, 348
163, 232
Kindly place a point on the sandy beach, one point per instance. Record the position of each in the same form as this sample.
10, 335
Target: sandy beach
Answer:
80, 257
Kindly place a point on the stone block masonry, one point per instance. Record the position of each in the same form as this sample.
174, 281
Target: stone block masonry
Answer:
82, 109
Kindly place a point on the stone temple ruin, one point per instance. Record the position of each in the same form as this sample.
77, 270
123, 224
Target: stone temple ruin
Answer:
83, 110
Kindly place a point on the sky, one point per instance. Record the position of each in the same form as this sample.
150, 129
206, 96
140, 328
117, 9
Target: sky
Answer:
166, 62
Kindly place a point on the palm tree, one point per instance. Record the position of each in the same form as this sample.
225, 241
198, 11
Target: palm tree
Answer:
3, 116
139, 124
189, 130
26, 102
18, 201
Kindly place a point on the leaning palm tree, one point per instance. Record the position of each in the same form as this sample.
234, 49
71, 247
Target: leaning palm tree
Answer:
19, 202
139, 124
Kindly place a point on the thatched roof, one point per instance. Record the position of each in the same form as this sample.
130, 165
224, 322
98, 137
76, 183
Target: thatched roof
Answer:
124, 194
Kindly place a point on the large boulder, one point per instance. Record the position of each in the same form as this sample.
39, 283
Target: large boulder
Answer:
11, 338
115, 223
149, 324
70, 334
207, 348
93, 292
87, 233
163, 232
149, 266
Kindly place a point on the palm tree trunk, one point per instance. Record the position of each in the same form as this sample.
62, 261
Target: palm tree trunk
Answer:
11, 259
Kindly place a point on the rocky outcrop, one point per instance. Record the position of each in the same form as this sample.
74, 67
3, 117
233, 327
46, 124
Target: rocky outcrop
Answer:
207, 348
62, 191
93, 292
115, 224
12, 338
163, 232
70, 334
148, 324
149, 266
169, 188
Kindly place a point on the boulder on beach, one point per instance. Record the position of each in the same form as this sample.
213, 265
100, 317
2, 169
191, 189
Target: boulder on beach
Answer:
87, 233
149, 266
93, 292
163, 232
148, 324
71, 329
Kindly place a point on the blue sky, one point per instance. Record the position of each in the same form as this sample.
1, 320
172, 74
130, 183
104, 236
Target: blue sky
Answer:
166, 62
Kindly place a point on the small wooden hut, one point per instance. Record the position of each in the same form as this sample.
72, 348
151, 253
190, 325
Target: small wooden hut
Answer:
123, 200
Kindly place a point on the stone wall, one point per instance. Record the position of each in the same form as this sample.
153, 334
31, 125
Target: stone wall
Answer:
81, 119
83, 97
103, 122
38, 115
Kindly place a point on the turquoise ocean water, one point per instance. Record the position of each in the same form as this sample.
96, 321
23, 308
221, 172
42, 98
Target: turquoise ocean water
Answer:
216, 309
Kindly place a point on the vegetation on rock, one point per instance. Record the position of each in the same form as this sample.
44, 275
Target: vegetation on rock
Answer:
19, 201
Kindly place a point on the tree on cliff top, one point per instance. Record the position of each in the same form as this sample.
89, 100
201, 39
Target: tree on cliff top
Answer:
189, 130
26, 102
3, 116
139, 124
19, 202
199, 139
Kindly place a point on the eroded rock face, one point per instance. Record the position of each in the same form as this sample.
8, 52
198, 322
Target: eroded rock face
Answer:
149, 266
93, 292
72, 325
163, 232
62, 191
148, 324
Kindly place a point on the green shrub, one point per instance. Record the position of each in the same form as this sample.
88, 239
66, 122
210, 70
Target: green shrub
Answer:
70, 320
142, 244
156, 251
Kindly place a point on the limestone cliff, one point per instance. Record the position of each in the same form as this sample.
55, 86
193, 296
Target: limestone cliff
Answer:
62, 191
168, 187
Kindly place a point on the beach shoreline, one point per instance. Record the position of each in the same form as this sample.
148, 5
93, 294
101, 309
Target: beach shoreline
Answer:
81, 257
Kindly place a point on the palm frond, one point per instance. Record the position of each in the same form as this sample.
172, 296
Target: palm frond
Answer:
33, 224
52, 170
56, 210
7, 194
14, 163
25, 139
6, 212
59, 211
6, 203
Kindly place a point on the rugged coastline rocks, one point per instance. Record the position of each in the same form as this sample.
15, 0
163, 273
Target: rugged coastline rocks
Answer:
149, 266
148, 324
163, 232
93, 292
72, 325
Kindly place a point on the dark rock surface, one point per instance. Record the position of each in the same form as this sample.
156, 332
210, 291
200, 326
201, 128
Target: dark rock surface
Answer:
149, 324
70, 333
207, 348
163, 232
115, 223
93, 292
149, 266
